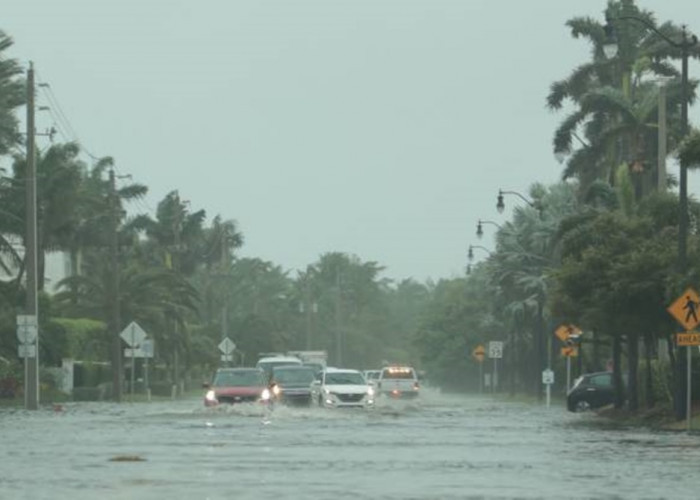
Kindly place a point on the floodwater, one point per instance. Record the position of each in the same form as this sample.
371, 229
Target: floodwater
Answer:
444, 447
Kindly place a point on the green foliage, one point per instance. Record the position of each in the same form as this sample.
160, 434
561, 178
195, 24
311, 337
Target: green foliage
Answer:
689, 150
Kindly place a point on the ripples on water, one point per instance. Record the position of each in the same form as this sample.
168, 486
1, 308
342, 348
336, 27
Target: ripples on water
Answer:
441, 447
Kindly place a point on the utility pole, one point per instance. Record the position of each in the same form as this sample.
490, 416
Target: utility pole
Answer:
31, 380
115, 312
224, 268
338, 335
661, 158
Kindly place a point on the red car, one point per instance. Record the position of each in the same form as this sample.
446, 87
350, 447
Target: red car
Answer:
237, 385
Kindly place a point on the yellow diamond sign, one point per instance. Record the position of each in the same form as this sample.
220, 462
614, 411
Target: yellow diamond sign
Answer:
563, 332
686, 309
479, 352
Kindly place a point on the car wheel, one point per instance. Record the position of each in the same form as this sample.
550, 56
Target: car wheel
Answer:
582, 405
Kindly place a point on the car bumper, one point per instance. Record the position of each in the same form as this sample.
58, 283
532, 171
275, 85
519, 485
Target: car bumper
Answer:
338, 403
400, 394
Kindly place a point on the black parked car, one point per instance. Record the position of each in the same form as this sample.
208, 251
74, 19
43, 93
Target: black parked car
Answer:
590, 391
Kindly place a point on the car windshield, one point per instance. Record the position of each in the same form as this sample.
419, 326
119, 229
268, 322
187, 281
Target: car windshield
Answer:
345, 378
242, 378
293, 376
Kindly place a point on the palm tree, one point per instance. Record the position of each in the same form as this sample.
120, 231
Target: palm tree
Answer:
12, 95
154, 297
58, 184
615, 105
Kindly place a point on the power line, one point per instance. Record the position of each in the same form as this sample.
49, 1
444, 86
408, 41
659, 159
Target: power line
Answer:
67, 130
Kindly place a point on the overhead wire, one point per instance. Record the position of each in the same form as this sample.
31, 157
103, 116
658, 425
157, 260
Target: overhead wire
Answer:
66, 129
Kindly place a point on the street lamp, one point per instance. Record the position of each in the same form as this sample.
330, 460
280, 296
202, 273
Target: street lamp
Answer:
470, 253
500, 206
480, 230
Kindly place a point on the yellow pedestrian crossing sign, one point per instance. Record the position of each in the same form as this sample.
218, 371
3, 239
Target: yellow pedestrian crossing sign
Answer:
686, 309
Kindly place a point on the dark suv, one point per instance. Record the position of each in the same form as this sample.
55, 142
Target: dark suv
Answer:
590, 391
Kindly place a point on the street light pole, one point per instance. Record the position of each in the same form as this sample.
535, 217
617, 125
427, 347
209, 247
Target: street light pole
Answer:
480, 229
500, 205
470, 252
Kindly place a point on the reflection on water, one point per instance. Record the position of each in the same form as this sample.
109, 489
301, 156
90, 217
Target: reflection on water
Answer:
435, 448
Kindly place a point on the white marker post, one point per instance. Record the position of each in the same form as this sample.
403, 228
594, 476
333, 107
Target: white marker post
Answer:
548, 380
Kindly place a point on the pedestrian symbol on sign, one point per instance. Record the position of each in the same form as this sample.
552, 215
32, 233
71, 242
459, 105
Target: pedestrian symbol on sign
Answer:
691, 306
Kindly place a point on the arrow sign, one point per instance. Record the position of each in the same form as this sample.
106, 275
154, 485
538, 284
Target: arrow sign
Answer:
227, 346
133, 334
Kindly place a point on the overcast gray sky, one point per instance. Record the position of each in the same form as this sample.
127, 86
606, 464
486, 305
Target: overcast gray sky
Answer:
382, 128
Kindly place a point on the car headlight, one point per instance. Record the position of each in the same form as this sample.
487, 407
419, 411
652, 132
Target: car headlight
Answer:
326, 391
370, 391
265, 396
276, 390
210, 396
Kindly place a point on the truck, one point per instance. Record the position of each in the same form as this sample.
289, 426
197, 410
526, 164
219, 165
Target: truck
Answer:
317, 359
398, 382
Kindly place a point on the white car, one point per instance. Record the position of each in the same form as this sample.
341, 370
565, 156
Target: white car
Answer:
341, 388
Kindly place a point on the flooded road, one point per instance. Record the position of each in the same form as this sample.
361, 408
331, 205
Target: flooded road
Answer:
446, 447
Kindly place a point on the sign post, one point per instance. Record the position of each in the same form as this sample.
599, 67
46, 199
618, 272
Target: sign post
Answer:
548, 380
478, 354
227, 347
134, 336
568, 334
495, 353
685, 310
27, 334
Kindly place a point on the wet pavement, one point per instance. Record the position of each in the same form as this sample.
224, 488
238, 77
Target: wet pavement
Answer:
442, 447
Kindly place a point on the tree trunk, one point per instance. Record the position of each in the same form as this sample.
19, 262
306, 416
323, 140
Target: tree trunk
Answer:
649, 378
632, 364
539, 335
596, 352
617, 371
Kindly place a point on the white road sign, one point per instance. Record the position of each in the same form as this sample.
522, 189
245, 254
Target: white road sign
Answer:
26, 350
27, 329
548, 377
226, 357
137, 352
147, 348
227, 346
133, 334
495, 349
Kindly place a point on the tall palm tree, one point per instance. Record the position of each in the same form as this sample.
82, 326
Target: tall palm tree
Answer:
589, 88
12, 95
58, 184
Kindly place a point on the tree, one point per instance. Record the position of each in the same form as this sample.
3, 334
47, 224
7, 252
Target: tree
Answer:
12, 96
613, 98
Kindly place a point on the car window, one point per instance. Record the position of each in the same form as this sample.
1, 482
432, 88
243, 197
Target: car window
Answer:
239, 378
345, 379
287, 376
604, 380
